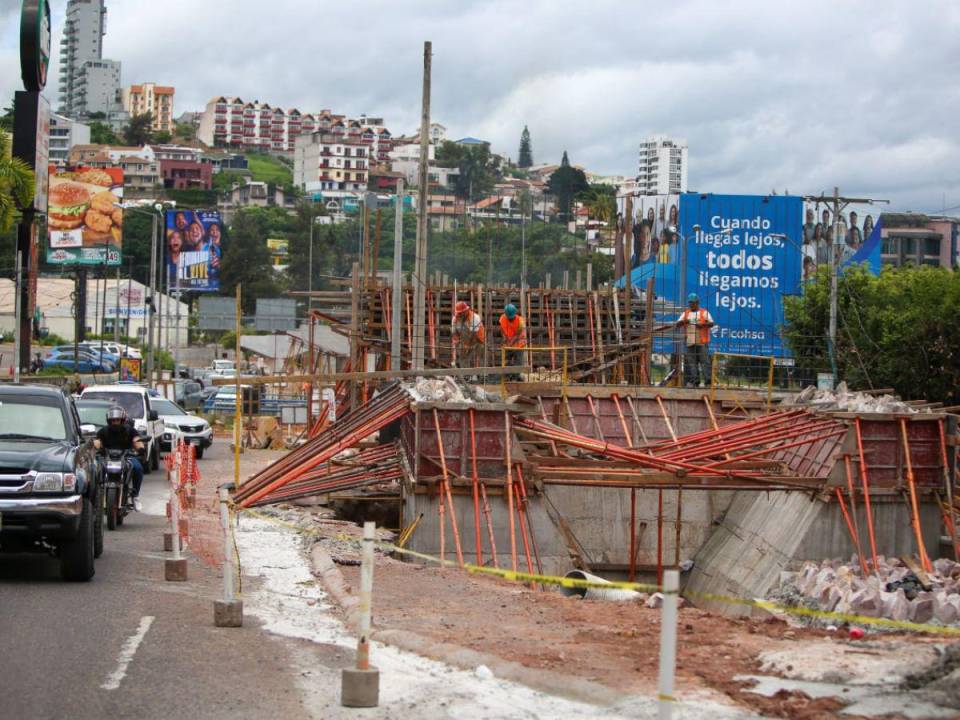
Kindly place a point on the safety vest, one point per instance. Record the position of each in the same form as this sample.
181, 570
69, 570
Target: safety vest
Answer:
697, 333
514, 331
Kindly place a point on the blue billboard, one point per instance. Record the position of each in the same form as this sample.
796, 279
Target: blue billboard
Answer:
739, 253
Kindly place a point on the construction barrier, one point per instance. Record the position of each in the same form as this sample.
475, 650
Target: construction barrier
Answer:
529, 578
199, 527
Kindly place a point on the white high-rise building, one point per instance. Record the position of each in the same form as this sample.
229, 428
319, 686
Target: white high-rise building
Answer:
88, 82
663, 166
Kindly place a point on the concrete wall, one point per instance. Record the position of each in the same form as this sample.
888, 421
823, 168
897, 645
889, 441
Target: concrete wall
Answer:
599, 518
763, 534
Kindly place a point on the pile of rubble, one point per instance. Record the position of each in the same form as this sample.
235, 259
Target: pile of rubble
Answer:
896, 591
843, 400
447, 389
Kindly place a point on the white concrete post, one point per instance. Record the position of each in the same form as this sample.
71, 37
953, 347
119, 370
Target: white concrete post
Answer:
366, 596
227, 544
175, 506
668, 644
360, 686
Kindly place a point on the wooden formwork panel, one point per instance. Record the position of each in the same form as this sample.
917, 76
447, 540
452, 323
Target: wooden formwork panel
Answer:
883, 450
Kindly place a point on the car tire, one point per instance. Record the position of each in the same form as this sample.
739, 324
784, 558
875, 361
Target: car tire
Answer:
199, 452
76, 555
155, 457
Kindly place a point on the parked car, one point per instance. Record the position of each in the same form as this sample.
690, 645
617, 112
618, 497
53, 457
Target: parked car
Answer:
189, 394
79, 362
95, 348
88, 352
136, 400
49, 495
195, 430
93, 412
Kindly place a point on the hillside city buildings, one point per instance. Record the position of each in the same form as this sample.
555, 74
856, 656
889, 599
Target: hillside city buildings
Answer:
154, 99
662, 168
89, 83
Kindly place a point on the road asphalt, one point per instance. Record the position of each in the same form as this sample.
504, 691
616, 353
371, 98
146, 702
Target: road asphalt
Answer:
62, 643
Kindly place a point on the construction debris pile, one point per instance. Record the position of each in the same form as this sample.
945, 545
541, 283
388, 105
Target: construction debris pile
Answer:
899, 590
446, 390
843, 400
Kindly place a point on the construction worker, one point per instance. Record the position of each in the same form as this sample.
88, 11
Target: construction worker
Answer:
696, 357
514, 331
468, 335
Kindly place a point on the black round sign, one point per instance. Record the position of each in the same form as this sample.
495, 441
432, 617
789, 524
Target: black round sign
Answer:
34, 43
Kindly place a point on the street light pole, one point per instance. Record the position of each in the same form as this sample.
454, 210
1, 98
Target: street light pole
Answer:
151, 305
310, 260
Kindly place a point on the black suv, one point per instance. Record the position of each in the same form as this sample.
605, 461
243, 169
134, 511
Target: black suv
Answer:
49, 491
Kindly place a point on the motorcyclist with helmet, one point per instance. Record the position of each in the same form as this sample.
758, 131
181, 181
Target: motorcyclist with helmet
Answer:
120, 434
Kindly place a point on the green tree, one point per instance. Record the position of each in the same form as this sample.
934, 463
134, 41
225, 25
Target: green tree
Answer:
246, 258
479, 169
139, 131
525, 156
102, 134
6, 118
601, 202
566, 183
16, 185
162, 137
898, 330
185, 131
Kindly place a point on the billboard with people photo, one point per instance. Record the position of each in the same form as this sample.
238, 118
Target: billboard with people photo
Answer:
84, 217
859, 236
193, 250
738, 254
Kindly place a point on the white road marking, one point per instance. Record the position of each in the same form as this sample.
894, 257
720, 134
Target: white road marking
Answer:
127, 652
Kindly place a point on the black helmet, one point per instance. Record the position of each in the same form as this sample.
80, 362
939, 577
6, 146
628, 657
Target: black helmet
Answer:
116, 415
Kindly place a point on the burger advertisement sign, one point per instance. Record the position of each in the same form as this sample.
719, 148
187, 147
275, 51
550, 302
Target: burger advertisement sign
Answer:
83, 217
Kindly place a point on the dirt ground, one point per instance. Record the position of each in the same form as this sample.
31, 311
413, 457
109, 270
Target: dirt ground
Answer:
611, 643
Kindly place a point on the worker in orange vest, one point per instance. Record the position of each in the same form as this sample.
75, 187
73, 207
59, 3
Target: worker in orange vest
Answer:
697, 323
467, 334
514, 331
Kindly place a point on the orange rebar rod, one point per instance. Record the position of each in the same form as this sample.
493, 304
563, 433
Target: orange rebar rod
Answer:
523, 527
660, 537
448, 490
431, 326
948, 488
666, 418
865, 482
855, 528
623, 420
509, 488
914, 507
593, 337
406, 298
849, 522
387, 319
632, 573
533, 538
486, 512
476, 489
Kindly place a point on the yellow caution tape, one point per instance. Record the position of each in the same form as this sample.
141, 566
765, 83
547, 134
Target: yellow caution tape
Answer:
518, 576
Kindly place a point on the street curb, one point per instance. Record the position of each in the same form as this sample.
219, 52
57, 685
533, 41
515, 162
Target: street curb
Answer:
546, 681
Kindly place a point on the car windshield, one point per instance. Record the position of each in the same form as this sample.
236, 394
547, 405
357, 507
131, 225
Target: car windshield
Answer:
129, 401
165, 407
92, 414
26, 418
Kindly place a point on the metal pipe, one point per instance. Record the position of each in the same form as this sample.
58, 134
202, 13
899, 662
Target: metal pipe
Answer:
366, 597
855, 528
447, 490
864, 479
475, 477
914, 511
948, 488
594, 593
509, 490
522, 484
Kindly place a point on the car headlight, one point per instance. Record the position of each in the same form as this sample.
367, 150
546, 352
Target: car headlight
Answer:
170, 425
55, 482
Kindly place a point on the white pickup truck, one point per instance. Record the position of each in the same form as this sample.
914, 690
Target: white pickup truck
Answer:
136, 401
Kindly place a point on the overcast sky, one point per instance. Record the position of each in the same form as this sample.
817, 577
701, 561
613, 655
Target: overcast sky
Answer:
769, 95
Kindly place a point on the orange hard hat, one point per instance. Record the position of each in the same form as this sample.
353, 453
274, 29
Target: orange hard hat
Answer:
461, 307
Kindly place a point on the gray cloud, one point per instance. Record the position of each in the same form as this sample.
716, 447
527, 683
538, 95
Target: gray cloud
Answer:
769, 95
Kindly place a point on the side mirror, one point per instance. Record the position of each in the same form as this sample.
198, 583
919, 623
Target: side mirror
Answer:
88, 431
153, 415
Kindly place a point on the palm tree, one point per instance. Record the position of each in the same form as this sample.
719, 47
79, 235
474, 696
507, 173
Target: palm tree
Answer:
600, 203
16, 184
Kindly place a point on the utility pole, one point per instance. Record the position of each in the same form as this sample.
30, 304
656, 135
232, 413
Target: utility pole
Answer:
420, 266
396, 346
839, 204
152, 303
310, 261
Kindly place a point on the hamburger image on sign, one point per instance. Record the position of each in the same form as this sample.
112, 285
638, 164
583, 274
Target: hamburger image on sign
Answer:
67, 206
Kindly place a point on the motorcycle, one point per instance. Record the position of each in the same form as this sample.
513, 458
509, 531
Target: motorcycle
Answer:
117, 486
